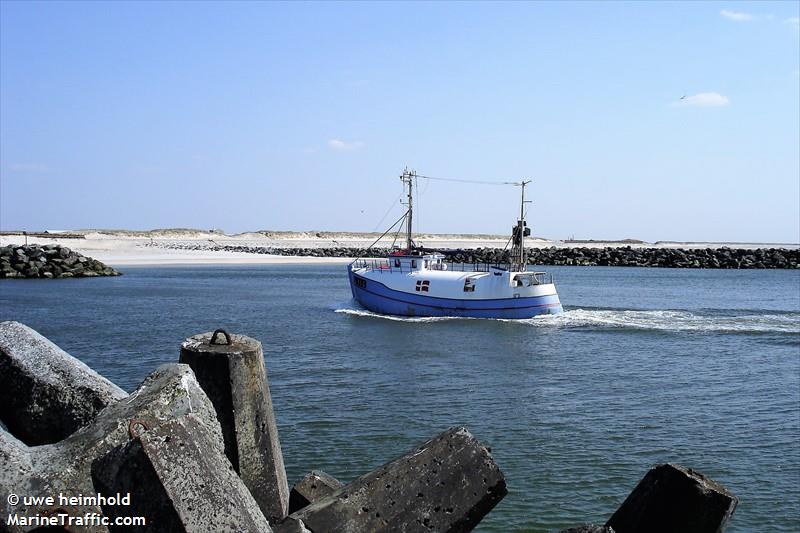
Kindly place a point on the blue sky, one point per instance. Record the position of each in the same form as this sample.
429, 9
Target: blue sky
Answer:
247, 116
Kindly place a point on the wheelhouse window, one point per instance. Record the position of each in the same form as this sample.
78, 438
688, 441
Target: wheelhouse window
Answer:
413, 263
423, 285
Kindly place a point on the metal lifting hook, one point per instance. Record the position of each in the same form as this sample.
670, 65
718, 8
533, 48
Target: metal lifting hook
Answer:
224, 333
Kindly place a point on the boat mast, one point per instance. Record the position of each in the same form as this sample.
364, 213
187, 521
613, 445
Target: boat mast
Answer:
408, 179
519, 257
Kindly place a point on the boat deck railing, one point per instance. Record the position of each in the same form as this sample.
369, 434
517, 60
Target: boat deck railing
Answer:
382, 265
385, 266
536, 278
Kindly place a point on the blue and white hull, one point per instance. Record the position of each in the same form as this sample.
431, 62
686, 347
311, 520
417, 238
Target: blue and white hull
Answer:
430, 290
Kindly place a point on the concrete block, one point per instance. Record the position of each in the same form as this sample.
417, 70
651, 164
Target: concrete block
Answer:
447, 484
65, 467
15, 463
312, 487
231, 370
45, 393
672, 498
178, 480
291, 525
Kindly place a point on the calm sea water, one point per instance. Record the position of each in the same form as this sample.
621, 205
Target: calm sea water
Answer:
698, 367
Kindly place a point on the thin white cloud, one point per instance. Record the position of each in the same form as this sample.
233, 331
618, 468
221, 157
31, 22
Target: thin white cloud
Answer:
33, 168
711, 99
738, 16
741, 16
344, 146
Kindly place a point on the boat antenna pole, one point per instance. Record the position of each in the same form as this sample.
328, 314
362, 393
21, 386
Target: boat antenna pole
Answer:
408, 179
522, 228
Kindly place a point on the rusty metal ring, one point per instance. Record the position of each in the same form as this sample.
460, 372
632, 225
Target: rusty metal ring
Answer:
132, 426
217, 332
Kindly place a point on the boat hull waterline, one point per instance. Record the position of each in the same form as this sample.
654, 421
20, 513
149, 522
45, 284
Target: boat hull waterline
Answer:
378, 298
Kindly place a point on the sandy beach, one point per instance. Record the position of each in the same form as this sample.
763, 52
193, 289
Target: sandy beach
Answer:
162, 247
118, 250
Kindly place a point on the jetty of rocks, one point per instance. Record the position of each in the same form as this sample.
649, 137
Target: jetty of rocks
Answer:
196, 449
724, 257
49, 261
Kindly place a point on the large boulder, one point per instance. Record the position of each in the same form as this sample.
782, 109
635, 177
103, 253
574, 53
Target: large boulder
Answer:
49, 261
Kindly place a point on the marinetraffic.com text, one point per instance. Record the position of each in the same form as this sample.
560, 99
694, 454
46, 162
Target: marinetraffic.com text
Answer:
64, 510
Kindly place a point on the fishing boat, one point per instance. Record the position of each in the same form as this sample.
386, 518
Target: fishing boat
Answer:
419, 282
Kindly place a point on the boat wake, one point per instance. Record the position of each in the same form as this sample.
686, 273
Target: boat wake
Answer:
655, 320
364, 313
671, 320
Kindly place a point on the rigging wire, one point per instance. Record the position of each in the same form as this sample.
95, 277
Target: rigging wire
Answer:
394, 202
397, 233
419, 203
507, 243
381, 237
478, 182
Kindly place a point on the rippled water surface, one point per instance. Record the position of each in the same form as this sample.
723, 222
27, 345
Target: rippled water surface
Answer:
698, 367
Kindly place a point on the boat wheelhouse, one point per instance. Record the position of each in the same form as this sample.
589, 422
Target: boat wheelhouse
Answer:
417, 282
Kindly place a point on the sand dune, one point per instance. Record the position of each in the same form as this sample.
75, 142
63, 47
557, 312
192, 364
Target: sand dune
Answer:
156, 247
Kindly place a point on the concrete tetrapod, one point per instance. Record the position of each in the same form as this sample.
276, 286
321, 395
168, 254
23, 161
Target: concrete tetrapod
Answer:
45, 393
178, 480
672, 498
447, 484
230, 368
312, 487
15, 465
65, 467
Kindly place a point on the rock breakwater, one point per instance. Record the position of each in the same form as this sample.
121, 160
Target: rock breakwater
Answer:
725, 258
49, 261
